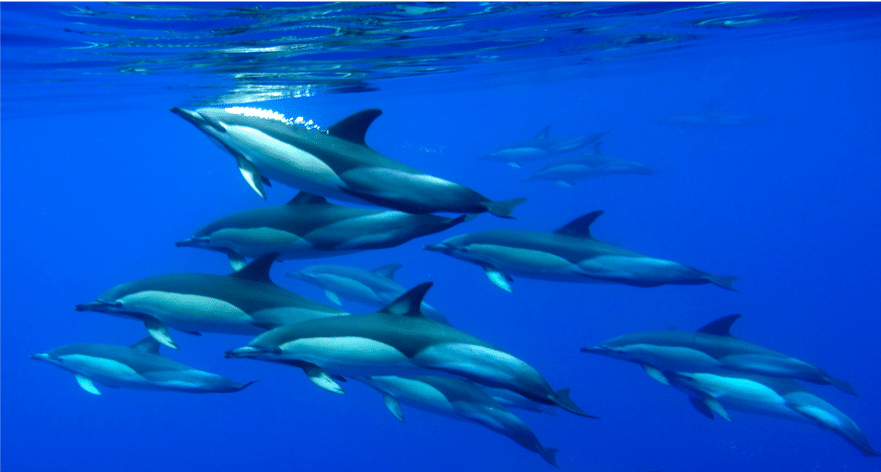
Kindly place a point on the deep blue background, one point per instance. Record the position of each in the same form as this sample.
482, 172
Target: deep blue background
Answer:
92, 199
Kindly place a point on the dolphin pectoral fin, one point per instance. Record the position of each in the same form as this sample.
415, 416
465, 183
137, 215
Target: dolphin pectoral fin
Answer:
503, 208
393, 406
702, 408
724, 281
514, 164
159, 331
655, 374
549, 455
86, 384
716, 407
323, 380
252, 175
236, 261
499, 279
565, 183
192, 333
265, 181
842, 385
332, 297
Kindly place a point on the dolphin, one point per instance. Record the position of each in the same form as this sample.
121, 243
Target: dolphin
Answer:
713, 394
137, 366
458, 399
708, 117
591, 164
569, 254
309, 227
375, 287
711, 349
400, 340
540, 147
335, 162
245, 302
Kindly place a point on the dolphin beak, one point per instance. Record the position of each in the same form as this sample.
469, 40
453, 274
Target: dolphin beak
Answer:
189, 242
198, 120
40, 357
442, 247
98, 305
595, 350
247, 351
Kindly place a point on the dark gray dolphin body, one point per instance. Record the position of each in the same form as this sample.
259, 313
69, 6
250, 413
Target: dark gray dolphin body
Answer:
565, 172
137, 366
375, 287
245, 302
712, 395
335, 163
459, 399
711, 349
569, 254
309, 227
543, 145
399, 340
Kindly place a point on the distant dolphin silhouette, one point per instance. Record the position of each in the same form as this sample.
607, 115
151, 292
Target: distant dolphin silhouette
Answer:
541, 146
565, 172
707, 117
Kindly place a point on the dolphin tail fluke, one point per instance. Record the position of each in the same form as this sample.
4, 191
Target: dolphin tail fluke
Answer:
503, 208
248, 384
843, 385
724, 281
561, 398
549, 455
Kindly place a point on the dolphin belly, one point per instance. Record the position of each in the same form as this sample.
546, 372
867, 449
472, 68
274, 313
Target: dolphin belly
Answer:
254, 242
187, 312
349, 355
529, 263
672, 358
104, 371
641, 271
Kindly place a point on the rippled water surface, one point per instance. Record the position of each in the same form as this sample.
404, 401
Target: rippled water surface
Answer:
763, 119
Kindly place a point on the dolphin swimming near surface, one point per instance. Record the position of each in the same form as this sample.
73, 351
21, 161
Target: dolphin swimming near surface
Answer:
137, 366
712, 395
540, 147
569, 254
400, 340
459, 399
566, 172
711, 349
375, 287
708, 117
310, 227
334, 163
246, 302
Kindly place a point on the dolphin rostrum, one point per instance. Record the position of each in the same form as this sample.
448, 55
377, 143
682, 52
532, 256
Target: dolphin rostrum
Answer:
591, 164
245, 302
375, 287
400, 340
309, 227
459, 399
137, 366
569, 254
711, 349
713, 394
541, 146
335, 162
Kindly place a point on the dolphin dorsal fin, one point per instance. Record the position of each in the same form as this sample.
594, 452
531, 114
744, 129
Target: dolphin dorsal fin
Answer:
304, 198
720, 327
544, 132
258, 269
579, 227
387, 271
408, 303
354, 127
147, 344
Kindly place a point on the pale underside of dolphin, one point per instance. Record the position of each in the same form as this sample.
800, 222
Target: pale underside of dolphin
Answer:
712, 349
542, 146
566, 172
139, 366
399, 340
376, 287
335, 163
458, 399
569, 254
712, 395
310, 227
245, 302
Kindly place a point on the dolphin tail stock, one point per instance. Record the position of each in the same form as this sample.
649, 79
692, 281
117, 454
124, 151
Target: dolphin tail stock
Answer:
561, 398
503, 208
549, 455
724, 281
842, 385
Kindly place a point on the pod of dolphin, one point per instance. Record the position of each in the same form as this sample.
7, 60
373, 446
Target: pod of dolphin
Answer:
407, 350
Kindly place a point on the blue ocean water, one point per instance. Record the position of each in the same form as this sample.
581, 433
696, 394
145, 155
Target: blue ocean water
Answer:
100, 179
